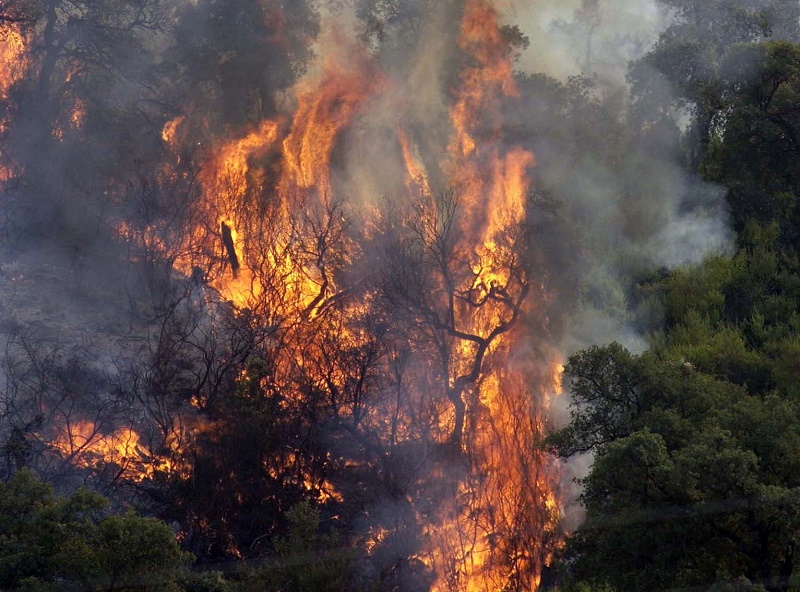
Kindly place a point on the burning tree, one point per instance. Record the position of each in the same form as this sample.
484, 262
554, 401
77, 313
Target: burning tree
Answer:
404, 353
306, 340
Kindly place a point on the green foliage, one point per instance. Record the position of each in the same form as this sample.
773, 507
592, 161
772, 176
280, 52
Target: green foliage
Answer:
49, 542
303, 521
692, 477
237, 55
696, 442
207, 581
738, 585
697, 291
759, 87
689, 68
248, 469
604, 397
137, 552
737, 318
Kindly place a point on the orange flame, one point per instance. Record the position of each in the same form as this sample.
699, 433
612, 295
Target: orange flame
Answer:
86, 446
13, 64
323, 111
12, 59
417, 176
260, 192
169, 133
475, 158
508, 495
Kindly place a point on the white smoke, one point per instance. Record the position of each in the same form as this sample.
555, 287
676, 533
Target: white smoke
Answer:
593, 37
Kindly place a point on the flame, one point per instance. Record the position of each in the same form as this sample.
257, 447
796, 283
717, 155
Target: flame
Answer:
13, 64
557, 378
226, 180
376, 536
168, 133
475, 158
85, 445
490, 77
266, 228
417, 177
323, 111
12, 59
501, 526
76, 117
508, 495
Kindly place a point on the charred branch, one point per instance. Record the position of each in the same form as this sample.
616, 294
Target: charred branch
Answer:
230, 248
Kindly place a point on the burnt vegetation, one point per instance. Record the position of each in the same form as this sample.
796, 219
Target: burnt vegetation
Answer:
304, 384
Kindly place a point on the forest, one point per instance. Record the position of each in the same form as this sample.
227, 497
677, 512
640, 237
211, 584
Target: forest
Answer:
388, 295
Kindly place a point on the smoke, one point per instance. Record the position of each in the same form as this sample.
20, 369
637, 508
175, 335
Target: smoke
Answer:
592, 37
625, 194
635, 211
607, 200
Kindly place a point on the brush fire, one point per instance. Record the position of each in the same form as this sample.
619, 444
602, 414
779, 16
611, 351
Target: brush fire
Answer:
364, 281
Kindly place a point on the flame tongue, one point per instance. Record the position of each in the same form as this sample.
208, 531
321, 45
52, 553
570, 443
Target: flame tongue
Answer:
483, 83
323, 111
417, 177
12, 57
494, 183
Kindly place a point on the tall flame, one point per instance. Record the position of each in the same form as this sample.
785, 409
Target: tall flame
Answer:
507, 495
268, 221
12, 57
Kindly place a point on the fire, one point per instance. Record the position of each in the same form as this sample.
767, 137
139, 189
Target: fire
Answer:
507, 495
558, 378
12, 59
474, 153
376, 537
270, 237
226, 180
76, 117
508, 505
168, 134
323, 111
13, 63
85, 445
417, 181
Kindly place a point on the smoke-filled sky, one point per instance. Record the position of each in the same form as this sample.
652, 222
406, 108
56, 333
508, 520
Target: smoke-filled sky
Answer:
567, 36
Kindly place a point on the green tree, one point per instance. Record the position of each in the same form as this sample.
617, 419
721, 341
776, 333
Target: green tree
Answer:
231, 58
249, 466
682, 71
694, 481
754, 146
49, 542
